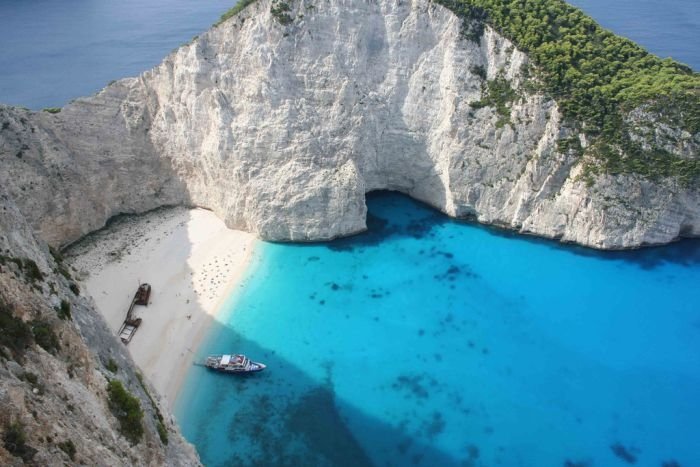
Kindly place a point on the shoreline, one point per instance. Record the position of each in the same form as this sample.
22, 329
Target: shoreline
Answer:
193, 263
205, 329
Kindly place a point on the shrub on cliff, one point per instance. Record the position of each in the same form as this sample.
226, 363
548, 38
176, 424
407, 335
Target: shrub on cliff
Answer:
127, 409
162, 432
234, 11
64, 310
160, 421
112, 366
15, 334
596, 77
31, 271
60, 267
497, 93
69, 448
15, 441
44, 336
280, 11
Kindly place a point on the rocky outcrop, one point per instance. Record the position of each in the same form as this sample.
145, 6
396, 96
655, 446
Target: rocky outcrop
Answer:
281, 121
54, 368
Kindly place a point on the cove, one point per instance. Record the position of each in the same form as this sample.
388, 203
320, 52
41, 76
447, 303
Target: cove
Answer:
429, 341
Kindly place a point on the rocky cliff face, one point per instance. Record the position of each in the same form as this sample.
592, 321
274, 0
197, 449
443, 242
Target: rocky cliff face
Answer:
281, 120
54, 368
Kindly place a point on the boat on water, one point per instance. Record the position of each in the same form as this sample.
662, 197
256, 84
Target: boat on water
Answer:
237, 363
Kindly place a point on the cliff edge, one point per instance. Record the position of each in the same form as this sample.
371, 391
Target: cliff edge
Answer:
69, 392
282, 117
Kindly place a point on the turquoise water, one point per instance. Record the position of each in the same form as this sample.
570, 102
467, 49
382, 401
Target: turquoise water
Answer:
428, 341
423, 342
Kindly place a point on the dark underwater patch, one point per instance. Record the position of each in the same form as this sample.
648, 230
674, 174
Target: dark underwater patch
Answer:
420, 228
378, 229
454, 271
685, 252
404, 445
334, 286
570, 463
417, 222
433, 426
628, 455
473, 451
415, 386
378, 293
315, 418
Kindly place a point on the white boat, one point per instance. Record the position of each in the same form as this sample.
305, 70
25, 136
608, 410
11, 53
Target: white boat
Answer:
237, 363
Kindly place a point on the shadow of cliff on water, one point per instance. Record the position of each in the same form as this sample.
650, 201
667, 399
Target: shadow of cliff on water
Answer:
685, 252
291, 414
284, 417
381, 227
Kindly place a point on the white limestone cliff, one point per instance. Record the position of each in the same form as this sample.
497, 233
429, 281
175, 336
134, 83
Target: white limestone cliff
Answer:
282, 129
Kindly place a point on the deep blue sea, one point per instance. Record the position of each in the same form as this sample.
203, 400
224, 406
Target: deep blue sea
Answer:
668, 28
424, 341
52, 51
56, 50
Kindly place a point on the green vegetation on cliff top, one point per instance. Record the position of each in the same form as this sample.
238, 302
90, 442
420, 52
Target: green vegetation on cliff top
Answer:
238, 7
596, 78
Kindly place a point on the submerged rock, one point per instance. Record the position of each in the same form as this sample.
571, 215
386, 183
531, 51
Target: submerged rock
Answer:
626, 454
281, 123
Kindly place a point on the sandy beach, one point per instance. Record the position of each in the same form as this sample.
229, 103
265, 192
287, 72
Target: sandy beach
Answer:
192, 261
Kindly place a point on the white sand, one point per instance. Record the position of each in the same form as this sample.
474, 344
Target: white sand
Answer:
192, 262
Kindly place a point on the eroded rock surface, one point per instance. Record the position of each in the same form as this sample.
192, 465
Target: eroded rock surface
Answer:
54, 391
281, 129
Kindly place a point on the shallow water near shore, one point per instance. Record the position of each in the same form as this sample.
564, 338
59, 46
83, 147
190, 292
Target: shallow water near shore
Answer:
539, 354
427, 341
